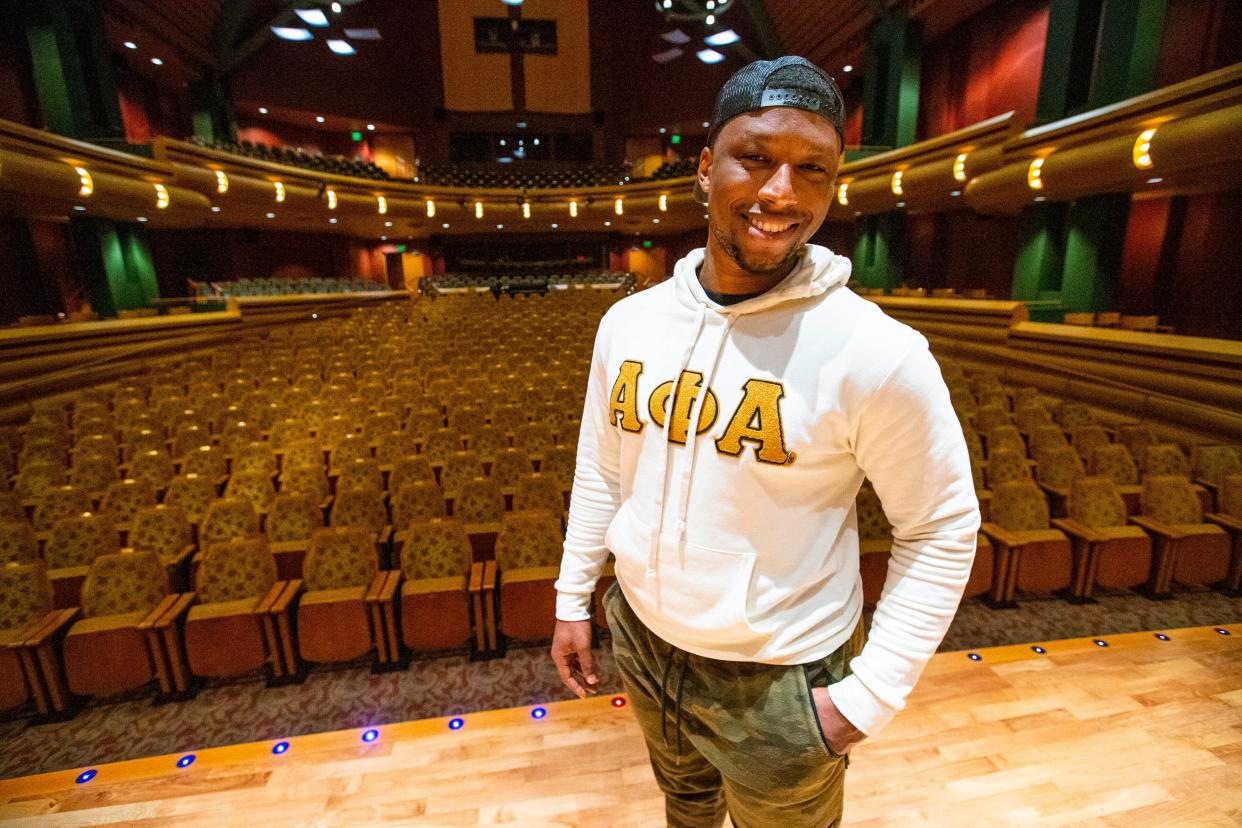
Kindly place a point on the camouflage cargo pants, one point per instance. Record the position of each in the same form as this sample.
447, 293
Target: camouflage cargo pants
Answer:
732, 735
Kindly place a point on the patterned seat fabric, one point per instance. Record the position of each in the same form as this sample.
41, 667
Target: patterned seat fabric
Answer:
255, 457
350, 448
417, 501
305, 479
78, 540
34, 480
1020, 506
534, 437
1086, 438
60, 503
1095, 501
539, 491
93, 473
1115, 461
479, 501
340, 557
1214, 463
193, 493
1046, 438
256, 487
235, 570
1165, 458
303, 452
124, 582
1029, 417
1171, 499
363, 508
1060, 467
1072, 415
207, 461
410, 469
560, 463
1230, 498
440, 444
460, 467
125, 498
293, 517
18, 541
1005, 437
25, 594
164, 530
362, 473
872, 522
153, 466
228, 519
392, 446
527, 540
437, 548
988, 417
510, 465
1007, 464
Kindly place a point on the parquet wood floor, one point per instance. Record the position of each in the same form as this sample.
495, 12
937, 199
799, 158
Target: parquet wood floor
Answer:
1142, 732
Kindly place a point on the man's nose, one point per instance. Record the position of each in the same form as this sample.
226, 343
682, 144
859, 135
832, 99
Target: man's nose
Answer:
778, 190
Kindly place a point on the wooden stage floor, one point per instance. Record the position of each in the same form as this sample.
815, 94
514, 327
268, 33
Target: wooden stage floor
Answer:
1141, 732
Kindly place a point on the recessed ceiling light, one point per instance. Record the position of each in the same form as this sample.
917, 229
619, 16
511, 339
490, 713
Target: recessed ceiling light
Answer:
445, 225
901, 204
271, 215
157, 61
312, 17
319, 119
663, 130
215, 208
555, 225
383, 238
263, 110
1156, 180
336, 8
655, 221
847, 68
291, 33
143, 219
370, 127
500, 227
710, 56
1041, 198
956, 193
722, 38
341, 47
707, 125
710, 20
79, 208
331, 221
608, 224
388, 224
129, 44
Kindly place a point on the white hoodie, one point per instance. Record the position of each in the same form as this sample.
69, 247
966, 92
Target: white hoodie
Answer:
742, 544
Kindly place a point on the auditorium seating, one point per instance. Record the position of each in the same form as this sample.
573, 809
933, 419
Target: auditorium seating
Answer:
454, 175
445, 433
297, 157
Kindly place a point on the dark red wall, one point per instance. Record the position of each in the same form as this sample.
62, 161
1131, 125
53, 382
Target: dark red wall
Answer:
1199, 36
985, 66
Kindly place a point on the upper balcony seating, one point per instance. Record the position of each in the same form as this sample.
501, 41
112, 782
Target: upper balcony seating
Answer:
297, 157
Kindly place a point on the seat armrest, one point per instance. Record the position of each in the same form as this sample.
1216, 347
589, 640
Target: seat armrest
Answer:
1077, 529
1151, 524
481, 528
289, 591
174, 610
51, 624
489, 576
184, 554
390, 586
375, 591
534, 573
999, 534
476, 577
157, 611
385, 534
326, 503
1224, 521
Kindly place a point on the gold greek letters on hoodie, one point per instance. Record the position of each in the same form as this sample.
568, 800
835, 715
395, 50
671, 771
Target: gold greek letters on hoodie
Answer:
625, 397
756, 420
687, 390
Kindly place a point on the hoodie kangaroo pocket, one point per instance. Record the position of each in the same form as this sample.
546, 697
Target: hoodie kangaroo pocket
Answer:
699, 591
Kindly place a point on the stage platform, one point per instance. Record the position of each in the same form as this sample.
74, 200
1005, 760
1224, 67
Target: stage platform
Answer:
1137, 729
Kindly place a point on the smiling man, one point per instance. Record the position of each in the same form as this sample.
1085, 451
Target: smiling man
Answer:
731, 416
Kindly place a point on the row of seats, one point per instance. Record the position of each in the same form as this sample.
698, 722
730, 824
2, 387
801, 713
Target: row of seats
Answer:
297, 157
1116, 319
452, 175
541, 284
282, 287
460, 414
935, 293
676, 169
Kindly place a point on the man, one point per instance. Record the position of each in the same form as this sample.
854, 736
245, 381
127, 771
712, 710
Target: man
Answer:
736, 618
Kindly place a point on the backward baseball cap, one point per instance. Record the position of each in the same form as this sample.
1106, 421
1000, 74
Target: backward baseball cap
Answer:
787, 81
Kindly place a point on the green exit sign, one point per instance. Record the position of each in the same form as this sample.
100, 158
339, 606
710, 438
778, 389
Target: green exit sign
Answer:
401, 248
647, 243
676, 139
356, 135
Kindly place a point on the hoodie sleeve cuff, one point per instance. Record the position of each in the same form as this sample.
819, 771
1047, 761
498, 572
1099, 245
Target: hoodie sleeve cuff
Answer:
573, 607
859, 705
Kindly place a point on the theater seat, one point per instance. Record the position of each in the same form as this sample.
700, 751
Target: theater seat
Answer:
292, 520
1108, 551
165, 531
18, 542
435, 604
1229, 517
108, 651
30, 637
1188, 550
338, 614
1030, 555
528, 556
75, 542
229, 630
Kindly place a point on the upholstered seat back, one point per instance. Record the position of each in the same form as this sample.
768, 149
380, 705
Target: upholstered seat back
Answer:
235, 570
293, 517
193, 493
528, 539
163, 529
1095, 501
340, 557
436, 548
1115, 461
25, 593
78, 540
126, 498
228, 518
1170, 498
1060, 467
60, 503
127, 581
1020, 506
18, 541
363, 508
872, 522
479, 501
539, 491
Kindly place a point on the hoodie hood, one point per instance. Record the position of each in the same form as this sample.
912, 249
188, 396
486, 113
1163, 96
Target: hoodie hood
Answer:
817, 271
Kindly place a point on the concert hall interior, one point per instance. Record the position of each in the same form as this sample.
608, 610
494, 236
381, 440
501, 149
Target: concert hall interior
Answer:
298, 302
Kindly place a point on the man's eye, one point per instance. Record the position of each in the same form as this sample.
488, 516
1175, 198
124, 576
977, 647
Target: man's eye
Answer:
753, 157
815, 168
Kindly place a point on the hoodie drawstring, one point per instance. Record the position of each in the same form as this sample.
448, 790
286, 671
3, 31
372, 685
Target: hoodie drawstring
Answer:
658, 502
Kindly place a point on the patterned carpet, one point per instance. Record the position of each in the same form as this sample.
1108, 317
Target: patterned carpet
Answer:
352, 697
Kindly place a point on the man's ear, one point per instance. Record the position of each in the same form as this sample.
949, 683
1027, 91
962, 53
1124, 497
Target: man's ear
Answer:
705, 169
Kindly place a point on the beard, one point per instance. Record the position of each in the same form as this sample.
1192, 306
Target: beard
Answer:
734, 252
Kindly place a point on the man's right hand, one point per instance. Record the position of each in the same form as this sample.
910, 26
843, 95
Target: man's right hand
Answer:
571, 653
